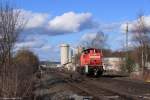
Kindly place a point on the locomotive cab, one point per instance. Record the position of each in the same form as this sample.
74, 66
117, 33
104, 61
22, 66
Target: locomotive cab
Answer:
91, 62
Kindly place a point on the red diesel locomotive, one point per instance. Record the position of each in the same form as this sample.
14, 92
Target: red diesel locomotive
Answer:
91, 62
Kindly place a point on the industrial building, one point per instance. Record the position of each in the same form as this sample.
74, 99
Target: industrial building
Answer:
113, 63
66, 55
64, 52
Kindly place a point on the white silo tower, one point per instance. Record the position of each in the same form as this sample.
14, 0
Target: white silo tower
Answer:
64, 53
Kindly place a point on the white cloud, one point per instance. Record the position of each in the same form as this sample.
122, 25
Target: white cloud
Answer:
132, 25
30, 42
88, 36
71, 22
40, 46
110, 27
33, 19
46, 47
68, 22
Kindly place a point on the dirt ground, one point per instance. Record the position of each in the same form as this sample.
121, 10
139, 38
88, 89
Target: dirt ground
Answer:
54, 88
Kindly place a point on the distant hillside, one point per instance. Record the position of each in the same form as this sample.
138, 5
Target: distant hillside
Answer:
48, 62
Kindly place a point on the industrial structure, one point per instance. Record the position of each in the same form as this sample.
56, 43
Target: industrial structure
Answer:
66, 55
64, 52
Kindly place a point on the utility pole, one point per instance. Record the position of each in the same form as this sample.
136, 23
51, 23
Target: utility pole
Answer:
126, 43
143, 44
127, 38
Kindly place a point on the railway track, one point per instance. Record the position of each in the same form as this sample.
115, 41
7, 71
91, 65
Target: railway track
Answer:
138, 89
98, 89
93, 92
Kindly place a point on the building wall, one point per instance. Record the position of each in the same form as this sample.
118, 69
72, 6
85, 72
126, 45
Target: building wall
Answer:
113, 63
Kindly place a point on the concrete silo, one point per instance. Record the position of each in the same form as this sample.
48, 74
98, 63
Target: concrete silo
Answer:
64, 53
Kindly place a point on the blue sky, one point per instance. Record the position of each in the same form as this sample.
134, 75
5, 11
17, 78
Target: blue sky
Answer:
104, 15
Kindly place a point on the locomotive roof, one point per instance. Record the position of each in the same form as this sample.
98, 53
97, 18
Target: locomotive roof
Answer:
90, 49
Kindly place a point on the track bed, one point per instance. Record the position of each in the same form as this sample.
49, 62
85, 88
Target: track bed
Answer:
103, 88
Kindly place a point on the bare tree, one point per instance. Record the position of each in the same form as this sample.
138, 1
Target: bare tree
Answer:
99, 41
141, 38
11, 26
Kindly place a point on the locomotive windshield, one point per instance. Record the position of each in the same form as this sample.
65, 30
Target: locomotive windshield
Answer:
86, 51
